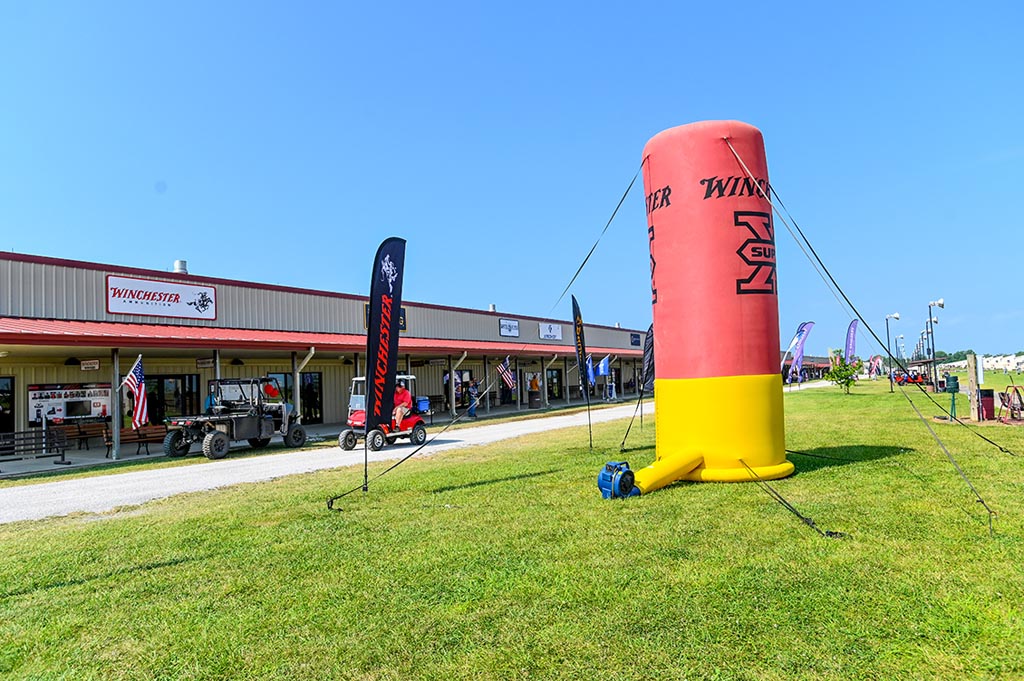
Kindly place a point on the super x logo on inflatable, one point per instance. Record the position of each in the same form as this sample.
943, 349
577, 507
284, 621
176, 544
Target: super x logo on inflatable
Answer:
758, 252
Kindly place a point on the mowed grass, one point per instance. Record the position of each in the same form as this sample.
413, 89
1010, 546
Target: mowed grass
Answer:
504, 562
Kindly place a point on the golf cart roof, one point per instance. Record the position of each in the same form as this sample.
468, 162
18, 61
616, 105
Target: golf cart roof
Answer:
399, 377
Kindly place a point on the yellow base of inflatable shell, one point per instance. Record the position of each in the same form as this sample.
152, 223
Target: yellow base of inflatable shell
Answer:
708, 428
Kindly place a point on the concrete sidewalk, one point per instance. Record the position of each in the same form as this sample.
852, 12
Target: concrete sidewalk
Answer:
106, 492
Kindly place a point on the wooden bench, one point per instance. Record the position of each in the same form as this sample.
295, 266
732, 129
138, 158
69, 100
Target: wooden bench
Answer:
80, 433
140, 438
34, 443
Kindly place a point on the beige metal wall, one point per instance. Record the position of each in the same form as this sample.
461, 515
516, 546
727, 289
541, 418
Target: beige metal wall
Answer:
57, 291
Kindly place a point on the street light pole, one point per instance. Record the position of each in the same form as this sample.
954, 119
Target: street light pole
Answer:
896, 316
940, 303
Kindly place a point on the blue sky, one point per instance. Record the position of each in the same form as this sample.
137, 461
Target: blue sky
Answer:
282, 142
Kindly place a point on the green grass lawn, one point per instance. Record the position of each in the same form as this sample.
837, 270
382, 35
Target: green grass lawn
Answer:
504, 562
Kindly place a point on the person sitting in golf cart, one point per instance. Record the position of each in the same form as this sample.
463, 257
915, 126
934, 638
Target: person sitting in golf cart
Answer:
403, 403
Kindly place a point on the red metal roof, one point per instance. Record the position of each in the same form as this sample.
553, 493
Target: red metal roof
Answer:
24, 331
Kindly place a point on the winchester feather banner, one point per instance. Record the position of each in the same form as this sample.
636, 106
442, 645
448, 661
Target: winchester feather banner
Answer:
648, 370
382, 332
581, 343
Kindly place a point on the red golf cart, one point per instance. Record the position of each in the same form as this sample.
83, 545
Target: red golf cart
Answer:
412, 425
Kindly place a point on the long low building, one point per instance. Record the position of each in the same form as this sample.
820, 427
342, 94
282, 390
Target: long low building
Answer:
70, 330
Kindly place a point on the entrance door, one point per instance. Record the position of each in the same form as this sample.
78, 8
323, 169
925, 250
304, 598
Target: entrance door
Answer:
170, 395
312, 394
6, 404
554, 384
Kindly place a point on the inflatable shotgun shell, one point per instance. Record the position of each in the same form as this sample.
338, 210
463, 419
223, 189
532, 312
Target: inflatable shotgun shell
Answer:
717, 386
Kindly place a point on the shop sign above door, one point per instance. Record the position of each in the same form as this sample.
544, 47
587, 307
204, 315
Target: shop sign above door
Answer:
128, 295
550, 331
508, 328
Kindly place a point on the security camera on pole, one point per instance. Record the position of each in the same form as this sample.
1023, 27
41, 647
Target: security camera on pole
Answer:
896, 316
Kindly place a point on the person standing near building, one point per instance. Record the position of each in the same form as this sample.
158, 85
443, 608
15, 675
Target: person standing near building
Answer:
447, 397
474, 398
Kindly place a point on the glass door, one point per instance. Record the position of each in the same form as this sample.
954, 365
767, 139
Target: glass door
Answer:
6, 404
312, 397
167, 396
312, 394
554, 384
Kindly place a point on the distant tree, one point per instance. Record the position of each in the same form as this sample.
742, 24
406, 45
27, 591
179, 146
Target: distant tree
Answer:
843, 373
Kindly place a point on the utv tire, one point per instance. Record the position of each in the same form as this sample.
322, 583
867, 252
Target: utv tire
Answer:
419, 434
295, 437
259, 442
347, 440
216, 445
375, 440
175, 445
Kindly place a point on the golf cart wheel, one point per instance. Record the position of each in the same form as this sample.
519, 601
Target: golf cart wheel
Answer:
259, 442
347, 440
216, 445
419, 434
375, 440
296, 436
175, 445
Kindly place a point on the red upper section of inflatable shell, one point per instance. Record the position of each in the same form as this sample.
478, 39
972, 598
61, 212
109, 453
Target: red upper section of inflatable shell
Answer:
713, 276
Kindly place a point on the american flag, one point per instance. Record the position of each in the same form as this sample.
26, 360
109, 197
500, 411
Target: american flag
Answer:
507, 375
136, 382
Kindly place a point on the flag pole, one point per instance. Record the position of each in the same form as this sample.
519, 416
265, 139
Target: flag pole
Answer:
135, 364
586, 391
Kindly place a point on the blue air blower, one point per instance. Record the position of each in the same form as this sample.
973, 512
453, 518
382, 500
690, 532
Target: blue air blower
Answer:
616, 480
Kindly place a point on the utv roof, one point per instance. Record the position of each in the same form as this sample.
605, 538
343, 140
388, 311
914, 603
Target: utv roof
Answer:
244, 381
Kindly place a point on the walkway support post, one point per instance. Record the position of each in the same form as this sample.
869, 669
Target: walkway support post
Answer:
115, 407
487, 382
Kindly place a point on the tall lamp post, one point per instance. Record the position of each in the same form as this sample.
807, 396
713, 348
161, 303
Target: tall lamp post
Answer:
940, 303
896, 316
